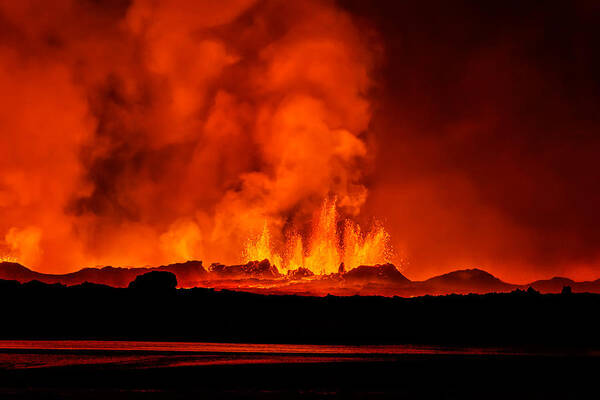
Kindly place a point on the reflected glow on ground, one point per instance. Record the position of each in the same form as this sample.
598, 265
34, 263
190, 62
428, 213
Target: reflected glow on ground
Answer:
20, 354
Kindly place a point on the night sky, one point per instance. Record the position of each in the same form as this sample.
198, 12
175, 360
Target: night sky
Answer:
487, 123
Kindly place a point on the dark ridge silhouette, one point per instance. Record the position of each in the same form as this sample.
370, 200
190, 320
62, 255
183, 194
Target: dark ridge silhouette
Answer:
532, 291
36, 310
154, 280
553, 285
38, 285
187, 274
264, 278
10, 270
90, 286
466, 281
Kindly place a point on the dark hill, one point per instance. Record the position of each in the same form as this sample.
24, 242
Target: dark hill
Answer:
262, 277
17, 272
556, 284
187, 274
385, 272
466, 281
553, 285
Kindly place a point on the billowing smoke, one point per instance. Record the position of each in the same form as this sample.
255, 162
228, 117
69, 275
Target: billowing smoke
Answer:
158, 131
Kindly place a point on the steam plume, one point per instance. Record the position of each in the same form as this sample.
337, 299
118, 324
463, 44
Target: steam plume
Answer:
158, 131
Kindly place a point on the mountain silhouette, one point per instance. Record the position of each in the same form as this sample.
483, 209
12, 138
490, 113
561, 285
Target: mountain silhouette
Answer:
263, 277
17, 272
556, 284
553, 285
385, 272
187, 274
466, 281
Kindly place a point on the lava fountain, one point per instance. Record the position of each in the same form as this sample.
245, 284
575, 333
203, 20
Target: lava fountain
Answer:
327, 246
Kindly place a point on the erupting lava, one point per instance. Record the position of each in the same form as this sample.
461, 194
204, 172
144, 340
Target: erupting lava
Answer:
326, 247
8, 259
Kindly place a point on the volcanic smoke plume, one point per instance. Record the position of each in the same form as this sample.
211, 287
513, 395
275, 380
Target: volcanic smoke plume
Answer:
154, 132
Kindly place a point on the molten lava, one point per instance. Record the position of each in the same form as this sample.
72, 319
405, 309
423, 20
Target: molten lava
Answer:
8, 259
326, 247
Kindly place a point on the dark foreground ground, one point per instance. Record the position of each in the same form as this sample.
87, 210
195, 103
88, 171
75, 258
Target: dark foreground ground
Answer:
40, 311
397, 377
557, 336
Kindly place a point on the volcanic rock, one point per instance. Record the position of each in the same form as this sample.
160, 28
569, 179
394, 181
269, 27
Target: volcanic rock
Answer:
467, 281
384, 272
299, 273
155, 281
256, 269
187, 274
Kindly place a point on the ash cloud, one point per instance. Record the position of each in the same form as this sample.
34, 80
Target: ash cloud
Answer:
148, 132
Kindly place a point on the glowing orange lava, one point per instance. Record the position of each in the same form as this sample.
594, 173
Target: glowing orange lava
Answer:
326, 247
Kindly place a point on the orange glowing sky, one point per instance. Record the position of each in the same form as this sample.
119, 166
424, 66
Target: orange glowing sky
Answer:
150, 132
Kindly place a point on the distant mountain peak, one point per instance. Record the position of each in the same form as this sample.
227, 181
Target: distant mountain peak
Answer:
472, 280
467, 274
